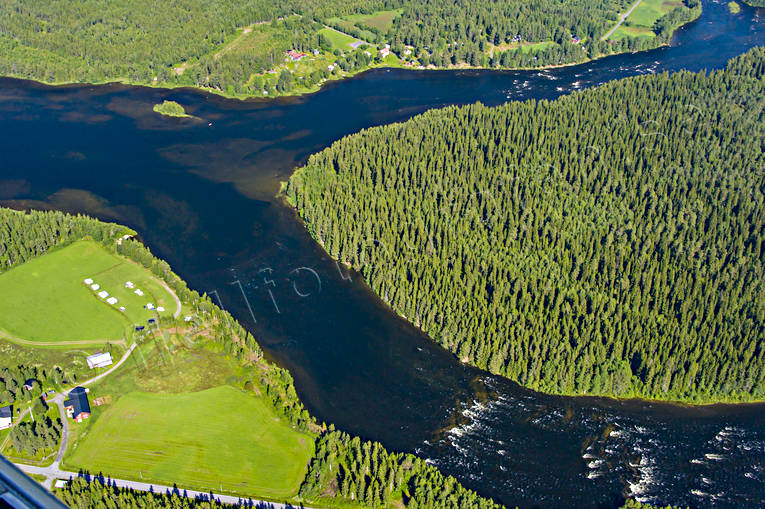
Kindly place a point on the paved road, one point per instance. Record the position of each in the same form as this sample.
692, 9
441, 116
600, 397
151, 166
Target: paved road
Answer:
621, 21
56, 473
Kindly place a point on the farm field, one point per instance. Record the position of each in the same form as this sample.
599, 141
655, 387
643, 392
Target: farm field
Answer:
220, 438
50, 303
649, 11
382, 20
525, 47
632, 31
338, 40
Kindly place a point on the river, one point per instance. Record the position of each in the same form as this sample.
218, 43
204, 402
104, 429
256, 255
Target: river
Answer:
201, 192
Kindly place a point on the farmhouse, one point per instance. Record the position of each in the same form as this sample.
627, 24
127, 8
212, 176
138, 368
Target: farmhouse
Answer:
29, 384
385, 51
99, 360
77, 406
295, 56
6, 417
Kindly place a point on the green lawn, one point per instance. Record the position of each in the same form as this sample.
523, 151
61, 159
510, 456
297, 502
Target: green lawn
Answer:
338, 40
536, 46
220, 438
47, 301
632, 31
382, 20
649, 11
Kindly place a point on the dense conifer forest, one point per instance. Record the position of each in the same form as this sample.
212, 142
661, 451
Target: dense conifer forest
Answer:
609, 242
185, 42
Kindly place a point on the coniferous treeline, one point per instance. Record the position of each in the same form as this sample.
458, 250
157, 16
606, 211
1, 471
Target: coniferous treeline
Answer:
84, 494
366, 473
24, 236
95, 40
41, 434
609, 242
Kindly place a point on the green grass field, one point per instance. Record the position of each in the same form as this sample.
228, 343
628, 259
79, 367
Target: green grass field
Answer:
382, 20
525, 47
632, 31
49, 303
646, 14
220, 438
337, 39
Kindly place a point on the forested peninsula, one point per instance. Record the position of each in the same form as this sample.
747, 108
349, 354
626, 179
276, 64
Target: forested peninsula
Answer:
606, 243
261, 48
343, 469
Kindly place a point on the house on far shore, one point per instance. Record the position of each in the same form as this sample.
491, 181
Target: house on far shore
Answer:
295, 56
77, 406
6, 417
99, 360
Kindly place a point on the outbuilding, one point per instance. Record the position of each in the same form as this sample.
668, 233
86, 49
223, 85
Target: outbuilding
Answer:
6, 417
99, 360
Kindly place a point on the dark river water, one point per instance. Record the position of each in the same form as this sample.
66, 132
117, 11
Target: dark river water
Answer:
201, 193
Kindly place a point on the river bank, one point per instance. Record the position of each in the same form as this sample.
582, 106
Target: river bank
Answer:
391, 62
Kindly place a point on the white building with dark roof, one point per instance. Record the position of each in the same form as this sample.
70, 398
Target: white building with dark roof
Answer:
6, 417
99, 360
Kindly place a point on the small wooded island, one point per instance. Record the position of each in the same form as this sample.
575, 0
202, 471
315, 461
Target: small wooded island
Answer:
171, 109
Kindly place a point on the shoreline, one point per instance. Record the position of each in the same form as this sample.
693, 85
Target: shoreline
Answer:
304, 91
